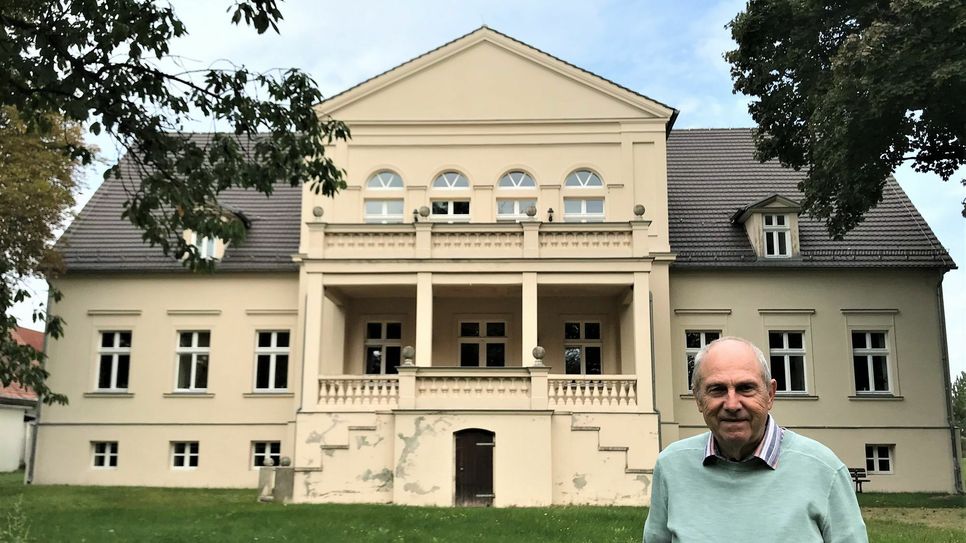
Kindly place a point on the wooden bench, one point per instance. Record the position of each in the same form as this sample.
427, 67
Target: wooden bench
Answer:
858, 477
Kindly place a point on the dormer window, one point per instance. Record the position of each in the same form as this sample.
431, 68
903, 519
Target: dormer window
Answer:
778, 234
206, 246
772, 226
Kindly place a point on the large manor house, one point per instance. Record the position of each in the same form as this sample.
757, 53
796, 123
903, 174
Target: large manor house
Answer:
501, 308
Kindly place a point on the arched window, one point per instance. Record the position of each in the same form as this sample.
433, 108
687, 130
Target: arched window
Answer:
583, 179
386, 179
516, 180
451, 180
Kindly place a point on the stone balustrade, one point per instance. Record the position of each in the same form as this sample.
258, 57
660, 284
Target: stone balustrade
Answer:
478, 388
501, 240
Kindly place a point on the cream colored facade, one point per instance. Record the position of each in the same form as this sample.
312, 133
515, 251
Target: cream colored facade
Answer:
557, 437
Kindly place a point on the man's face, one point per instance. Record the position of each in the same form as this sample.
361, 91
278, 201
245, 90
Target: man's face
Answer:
734, 398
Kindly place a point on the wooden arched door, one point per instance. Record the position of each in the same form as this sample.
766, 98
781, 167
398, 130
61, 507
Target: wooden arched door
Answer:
474, 467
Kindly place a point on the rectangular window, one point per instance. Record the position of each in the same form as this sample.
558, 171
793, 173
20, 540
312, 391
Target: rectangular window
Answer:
271, 360
184, 454
384, 211
514, 209
192, 354
383, 347
878, 458
582, 348
104, 454
778, 236
483, 344
114, 360
694, 340
787, 354
583, 209
204, 245
264, 450
870, 360
452, 210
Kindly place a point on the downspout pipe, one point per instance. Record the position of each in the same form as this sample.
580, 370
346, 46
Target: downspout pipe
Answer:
944, 350
660, 437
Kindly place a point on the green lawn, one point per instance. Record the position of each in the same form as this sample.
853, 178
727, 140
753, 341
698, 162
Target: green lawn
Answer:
102, 514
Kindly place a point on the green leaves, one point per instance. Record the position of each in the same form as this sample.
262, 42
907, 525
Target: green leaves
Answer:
847, 91
96, 62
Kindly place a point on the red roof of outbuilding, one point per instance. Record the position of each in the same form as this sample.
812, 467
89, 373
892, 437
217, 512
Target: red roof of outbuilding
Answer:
23, 336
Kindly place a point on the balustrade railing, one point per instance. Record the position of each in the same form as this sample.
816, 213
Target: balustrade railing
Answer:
472, 388
593, 393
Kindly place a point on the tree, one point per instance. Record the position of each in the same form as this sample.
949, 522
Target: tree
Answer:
849, 90
37, 183
105, 64
959, 401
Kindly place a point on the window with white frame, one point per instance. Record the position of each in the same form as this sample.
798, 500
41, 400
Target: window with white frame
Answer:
582, 347
114, 360
184, 454
453, 210
482, 344
870, 360
583, 179
271, 360
778, 236
205, 246
385, 180
384, 211
451, 180
787, 354
265, 450
513, 209
516, 180
583, 209
193, 353
104, 454
694, 341
879, 458
383, 347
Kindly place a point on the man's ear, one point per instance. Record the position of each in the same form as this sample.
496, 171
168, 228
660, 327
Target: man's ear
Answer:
772, 389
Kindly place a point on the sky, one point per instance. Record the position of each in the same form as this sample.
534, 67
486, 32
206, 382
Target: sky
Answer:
669, 51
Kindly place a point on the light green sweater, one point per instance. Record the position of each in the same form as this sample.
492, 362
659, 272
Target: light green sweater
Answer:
808, 497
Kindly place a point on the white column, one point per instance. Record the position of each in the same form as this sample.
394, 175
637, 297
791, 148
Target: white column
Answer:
424, 319
528, 320
312, 340
642, 341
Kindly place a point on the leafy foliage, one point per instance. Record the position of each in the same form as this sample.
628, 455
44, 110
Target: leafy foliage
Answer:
849, 90
959, 401
37, 183
106, 64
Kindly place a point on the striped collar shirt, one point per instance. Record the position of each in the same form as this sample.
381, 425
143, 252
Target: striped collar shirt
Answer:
768, 450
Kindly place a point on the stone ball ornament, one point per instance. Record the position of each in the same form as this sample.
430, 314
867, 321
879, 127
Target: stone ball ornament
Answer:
531, 211
538, 354
424, 211
639, 210
285, 462
317, 212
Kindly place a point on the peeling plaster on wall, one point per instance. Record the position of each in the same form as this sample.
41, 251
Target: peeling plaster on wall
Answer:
314, 437
309, 485
327, 452
580, 480
411, 443
416, 489
385, 476
644, 479
363, 441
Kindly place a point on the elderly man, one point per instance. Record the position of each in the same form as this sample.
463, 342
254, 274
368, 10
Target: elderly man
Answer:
747, 479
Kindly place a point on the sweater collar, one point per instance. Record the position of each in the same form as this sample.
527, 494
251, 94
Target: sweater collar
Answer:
768, 449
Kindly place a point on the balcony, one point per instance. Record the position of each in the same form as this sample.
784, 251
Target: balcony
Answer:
436, 388
491, 240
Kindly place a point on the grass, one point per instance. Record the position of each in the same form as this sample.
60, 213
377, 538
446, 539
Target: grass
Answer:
114, 514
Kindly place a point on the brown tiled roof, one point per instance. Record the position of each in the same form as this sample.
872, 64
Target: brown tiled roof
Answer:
14, 392
712, 173
99, 240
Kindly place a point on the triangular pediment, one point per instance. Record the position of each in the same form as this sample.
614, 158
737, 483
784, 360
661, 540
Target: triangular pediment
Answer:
487, 76
773, 203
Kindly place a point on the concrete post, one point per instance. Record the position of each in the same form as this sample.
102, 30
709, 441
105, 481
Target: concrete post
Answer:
528, 322
642, 342
424, 319
407, 386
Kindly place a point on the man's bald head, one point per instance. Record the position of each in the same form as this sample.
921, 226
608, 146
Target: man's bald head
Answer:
703, 353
